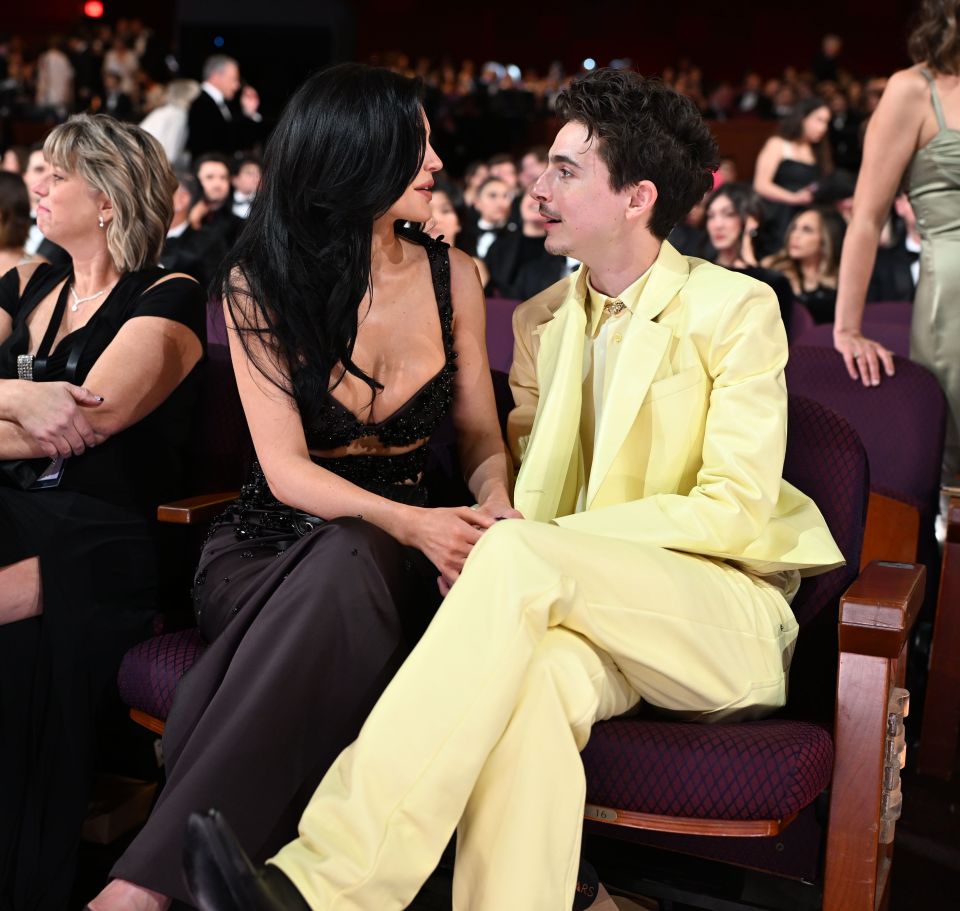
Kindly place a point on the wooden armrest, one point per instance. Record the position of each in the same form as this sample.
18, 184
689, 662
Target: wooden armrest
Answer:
892, 532
879, 609
195, 510
953, 517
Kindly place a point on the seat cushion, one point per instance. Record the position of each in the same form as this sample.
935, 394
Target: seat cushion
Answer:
150, 671
738, 771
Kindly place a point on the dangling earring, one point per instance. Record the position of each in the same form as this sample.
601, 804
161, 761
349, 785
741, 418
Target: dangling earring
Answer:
100, 221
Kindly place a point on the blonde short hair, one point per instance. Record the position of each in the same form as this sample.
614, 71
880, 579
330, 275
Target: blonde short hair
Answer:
130, 168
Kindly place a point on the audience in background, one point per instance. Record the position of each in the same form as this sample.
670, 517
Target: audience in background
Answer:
115, 101
193, 249
216, 122
897, 269
791, 163
513, 250
246, 182
54, 80
532, 165
811, 260
734, 214
449, 220
168, 121
473, 177
216, 208
492, 206
14, 222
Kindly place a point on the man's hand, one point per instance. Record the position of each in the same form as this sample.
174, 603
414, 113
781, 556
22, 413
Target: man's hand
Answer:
249, 101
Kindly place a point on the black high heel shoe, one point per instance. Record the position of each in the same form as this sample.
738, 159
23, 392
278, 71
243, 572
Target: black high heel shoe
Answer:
222, 878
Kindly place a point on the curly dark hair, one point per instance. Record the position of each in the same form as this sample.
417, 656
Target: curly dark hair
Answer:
935, 39
646, 131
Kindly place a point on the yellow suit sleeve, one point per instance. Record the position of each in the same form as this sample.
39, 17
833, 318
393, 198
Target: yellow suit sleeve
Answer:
744, 444
523, 385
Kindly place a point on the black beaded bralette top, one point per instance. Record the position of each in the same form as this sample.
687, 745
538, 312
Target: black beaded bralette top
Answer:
334, 425
417, 418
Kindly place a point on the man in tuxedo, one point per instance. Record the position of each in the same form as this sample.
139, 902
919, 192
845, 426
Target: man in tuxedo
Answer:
215, 122
493, 212
512, 251
246, 181
216, 208
660, 550
196, 250
897, 269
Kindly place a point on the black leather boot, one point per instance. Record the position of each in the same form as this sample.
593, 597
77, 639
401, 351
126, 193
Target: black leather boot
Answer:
222, 878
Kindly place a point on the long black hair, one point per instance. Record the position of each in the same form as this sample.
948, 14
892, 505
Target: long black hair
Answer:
349, 143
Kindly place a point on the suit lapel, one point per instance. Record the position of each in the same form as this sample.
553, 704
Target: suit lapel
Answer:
556, 427
644, 344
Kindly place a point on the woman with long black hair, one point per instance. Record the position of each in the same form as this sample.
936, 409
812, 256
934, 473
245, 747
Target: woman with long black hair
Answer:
351, 339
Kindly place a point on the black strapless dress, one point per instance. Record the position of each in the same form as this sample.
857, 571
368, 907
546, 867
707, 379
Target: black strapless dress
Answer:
792, 175
307, 621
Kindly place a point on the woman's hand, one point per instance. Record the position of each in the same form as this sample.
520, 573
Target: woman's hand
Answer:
497, 508
863, 356
803, 197
52, 413
446, 536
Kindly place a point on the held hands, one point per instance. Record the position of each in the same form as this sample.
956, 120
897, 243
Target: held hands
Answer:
446, 536
53, 414
863, 356
491, 511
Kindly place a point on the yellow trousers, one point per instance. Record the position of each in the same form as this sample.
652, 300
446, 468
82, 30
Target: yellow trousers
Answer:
547, 631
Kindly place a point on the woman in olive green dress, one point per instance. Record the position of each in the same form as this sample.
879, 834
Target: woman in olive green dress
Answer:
915, 131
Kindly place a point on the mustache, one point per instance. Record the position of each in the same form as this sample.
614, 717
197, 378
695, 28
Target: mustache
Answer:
545, 213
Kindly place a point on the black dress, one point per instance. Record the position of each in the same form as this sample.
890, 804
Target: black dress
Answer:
98, 574
308, 620
792, 175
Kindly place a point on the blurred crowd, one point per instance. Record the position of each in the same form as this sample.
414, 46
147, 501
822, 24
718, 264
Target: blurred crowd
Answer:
785, 225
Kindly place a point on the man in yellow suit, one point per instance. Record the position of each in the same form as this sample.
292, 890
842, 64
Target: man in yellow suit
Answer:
659, 554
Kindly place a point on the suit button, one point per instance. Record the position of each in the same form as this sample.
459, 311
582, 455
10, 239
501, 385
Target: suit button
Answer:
618, 338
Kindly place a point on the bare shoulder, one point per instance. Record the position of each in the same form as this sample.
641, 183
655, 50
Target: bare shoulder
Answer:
462, 266
171, 277
465, 285
773, 144
907, 86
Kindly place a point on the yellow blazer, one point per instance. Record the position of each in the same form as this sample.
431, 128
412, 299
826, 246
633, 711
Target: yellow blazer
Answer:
691, 439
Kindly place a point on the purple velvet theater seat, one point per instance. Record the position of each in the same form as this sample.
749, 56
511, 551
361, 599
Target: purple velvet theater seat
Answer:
150, 671
801, 321
897, 312
901, 422
754, 770
895, 336
500, 332
761, 770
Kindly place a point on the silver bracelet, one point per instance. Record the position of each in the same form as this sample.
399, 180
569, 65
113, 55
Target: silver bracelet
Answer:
25, 366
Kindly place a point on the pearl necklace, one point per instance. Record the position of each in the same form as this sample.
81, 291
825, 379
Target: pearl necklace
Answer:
77, 300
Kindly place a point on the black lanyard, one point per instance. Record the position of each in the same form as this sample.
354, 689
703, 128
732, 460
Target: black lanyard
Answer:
43, 351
